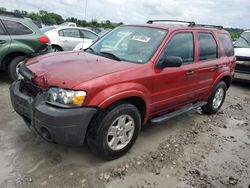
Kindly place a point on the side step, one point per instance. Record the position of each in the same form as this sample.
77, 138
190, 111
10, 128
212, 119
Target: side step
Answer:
184, 109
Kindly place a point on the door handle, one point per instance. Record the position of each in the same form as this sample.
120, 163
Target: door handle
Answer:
65, 41
217, 67
2, 41
189, 73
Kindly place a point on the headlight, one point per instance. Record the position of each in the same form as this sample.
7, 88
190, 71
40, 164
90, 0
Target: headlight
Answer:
65, 98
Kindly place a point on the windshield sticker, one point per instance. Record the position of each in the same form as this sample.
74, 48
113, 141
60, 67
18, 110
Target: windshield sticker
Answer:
141, 38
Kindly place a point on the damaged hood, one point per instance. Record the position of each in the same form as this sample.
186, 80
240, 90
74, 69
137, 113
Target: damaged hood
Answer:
69, 69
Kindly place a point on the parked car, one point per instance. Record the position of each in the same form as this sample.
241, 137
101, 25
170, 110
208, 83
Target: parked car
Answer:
133, 75
20, 38
67, 38
242, 52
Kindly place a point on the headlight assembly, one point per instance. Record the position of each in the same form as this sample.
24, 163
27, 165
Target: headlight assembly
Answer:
65, 98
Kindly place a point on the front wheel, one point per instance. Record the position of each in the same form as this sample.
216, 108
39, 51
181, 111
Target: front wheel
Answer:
216, 99
114, 131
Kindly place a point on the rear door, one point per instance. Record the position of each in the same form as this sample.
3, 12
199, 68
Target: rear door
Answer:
5, 41
209, 62
69, 38
175, 86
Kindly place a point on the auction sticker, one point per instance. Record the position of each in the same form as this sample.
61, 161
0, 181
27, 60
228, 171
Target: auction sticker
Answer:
141, 38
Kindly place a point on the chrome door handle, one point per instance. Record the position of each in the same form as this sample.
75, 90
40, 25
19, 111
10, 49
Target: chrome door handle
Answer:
189, 73
2, 41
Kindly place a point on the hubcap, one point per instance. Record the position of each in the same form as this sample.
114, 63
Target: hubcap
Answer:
120, 132
218, 98
17, 70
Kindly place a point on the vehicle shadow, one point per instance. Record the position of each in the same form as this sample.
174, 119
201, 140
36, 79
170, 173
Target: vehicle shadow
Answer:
4, 78
241, 84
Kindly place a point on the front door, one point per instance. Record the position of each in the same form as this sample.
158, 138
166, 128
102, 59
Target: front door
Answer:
175, 86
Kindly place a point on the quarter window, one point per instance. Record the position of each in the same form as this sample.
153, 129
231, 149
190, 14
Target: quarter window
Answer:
227, 44
181, 45
74, 33
207, 47
16, 28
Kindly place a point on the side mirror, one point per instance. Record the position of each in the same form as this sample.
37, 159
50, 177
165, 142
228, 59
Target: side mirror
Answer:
169, 61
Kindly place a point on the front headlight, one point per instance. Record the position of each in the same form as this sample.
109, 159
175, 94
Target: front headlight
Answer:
65, 98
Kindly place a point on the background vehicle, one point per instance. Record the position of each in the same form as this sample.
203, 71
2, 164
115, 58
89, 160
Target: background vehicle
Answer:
132, 75
67, 38
242, 52
19, 38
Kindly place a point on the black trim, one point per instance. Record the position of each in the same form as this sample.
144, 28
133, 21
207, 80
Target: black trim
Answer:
25, 72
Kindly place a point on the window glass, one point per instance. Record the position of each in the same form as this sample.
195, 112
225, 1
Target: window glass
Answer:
227, 44
88, 35
181, 45
16, 28
70, 33
207, 46
2, 32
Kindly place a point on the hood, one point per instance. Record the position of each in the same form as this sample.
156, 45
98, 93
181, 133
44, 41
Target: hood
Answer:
69, 69
242, 52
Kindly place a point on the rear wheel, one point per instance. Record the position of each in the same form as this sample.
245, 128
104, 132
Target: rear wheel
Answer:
56, 48
14, 66
216, 99
114, 131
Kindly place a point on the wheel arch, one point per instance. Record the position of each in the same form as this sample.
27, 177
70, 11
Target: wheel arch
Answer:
7, 59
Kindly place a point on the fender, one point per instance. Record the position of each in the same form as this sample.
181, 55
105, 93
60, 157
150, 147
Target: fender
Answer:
106, 97
217, 80
21, 48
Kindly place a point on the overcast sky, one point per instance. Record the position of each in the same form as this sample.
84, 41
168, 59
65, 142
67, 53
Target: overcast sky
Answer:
232, 13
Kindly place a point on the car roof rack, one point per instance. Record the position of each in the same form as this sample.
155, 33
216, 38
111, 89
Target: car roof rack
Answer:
190, 23
177, 21
10, 14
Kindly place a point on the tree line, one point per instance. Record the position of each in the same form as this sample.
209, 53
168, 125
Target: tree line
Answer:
49, 18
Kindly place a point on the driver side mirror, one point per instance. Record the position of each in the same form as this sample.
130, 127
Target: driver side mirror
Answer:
169, 61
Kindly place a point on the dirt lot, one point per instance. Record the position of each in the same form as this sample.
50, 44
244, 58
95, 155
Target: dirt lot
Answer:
192, 150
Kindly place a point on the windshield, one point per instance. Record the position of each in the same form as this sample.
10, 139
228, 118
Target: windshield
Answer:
129, 43
243, 41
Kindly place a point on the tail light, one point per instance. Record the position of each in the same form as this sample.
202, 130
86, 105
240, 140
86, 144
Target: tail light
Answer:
44, 40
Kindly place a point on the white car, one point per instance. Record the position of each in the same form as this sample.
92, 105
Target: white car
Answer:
64, 38
242, 53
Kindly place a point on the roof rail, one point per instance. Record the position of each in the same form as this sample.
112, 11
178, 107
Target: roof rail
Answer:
10, 14
177, 21
191, 23
206, 25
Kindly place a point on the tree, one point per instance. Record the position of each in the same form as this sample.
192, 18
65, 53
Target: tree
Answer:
2, 9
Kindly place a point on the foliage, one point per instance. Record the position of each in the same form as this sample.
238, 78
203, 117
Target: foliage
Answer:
49, 18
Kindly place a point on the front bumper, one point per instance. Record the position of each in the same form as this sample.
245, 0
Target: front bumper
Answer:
64, 126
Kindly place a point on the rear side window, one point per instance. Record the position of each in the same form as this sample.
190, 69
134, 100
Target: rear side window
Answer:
2, 31
181, 45
207, 47
74, 33
16, 28
227, 44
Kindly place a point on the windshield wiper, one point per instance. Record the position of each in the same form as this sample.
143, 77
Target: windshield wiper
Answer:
91, 50
111, 55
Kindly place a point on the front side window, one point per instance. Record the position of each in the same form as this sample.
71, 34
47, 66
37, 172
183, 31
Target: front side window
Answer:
227, 44
88, 35
207, 47
129, 43
16, 28
74, 33
181, 45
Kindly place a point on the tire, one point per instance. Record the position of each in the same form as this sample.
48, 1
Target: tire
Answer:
13, 65
212, 107
56, 48
99, 139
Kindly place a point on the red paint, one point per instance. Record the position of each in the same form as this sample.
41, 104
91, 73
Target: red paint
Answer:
107, 81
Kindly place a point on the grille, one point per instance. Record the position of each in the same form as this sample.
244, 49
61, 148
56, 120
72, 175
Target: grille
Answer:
30, 89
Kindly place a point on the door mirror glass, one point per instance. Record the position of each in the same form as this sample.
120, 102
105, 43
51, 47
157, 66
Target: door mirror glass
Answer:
170, 61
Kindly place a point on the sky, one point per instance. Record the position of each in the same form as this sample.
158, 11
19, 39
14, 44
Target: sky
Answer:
229, 13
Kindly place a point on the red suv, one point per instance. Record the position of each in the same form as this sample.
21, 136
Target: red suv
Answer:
134, 74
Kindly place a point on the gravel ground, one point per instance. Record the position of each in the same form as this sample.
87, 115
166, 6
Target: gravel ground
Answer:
192, 150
